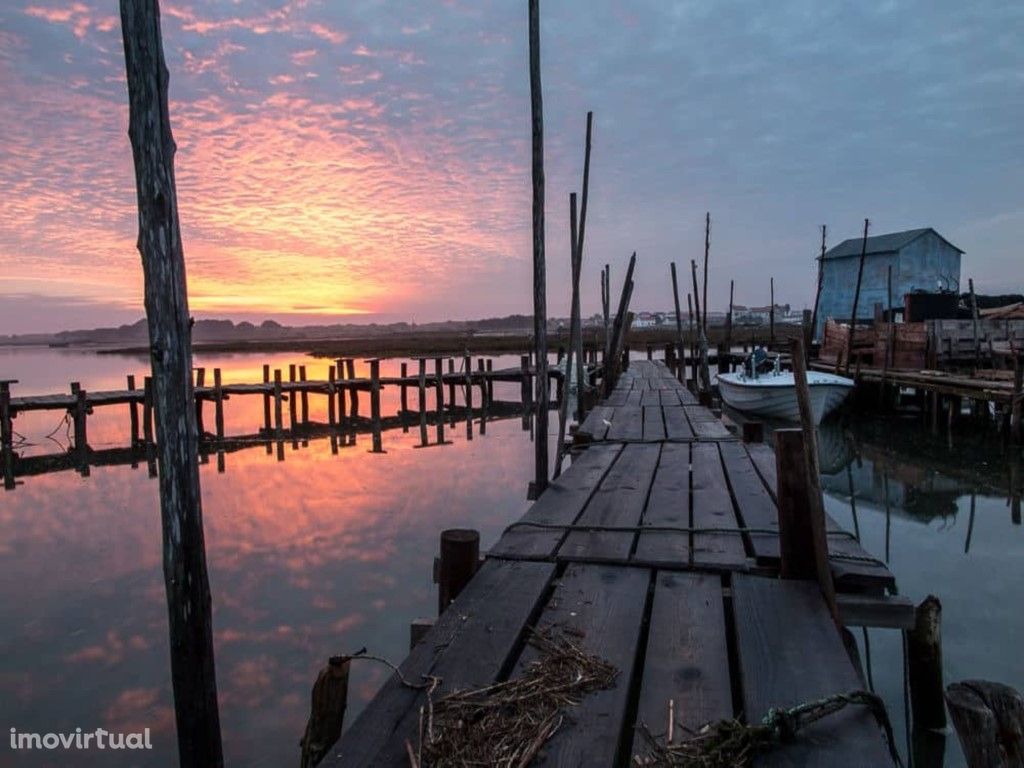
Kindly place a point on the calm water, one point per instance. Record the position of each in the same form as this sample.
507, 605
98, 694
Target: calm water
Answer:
324, 553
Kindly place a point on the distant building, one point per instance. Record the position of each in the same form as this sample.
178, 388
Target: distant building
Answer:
921, 260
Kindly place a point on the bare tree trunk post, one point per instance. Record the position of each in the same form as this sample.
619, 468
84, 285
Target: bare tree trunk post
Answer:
693, 347
606, 305
619, 329
540, 329
728, 324
707, 252
771, 314
166, 299
679, 317
704, 384
856, 297
817, 293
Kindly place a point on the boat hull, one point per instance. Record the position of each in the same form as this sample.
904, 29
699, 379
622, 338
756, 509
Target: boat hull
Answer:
774, 396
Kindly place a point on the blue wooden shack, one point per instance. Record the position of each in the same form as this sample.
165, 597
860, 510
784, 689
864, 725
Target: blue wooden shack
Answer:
921, 260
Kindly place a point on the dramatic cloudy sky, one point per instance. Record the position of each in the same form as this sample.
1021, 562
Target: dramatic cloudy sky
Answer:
371, 159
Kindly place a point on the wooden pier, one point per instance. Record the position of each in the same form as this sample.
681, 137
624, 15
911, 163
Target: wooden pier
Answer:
286, 410
659, 550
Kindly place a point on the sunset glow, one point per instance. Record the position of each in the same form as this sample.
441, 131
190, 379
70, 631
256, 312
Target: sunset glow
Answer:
348, 160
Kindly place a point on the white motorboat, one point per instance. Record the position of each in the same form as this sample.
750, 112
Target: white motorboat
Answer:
773, 394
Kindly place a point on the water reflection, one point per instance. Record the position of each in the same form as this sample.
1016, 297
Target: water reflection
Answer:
323, 553
945, 514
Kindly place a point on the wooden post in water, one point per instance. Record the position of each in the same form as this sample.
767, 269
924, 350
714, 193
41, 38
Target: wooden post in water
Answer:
525, 384
422, 391
293, 402
79, 415
540, 314
218, 404
451, 386
856, 297
459, 560
133, 411
353, 393
147, 410
704, 383
166, 299
490, 381
692, 345
332, 403
753, 431
771, 315
817, 292
7, 433
924, 662
278, 407
375, 422
340, 370
574, 319
613, 364
439, 397
577, 338
266, 399
304, 397
467, 369
200, 381
606, 305
728, 329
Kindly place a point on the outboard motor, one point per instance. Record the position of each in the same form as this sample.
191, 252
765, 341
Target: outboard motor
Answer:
755, 362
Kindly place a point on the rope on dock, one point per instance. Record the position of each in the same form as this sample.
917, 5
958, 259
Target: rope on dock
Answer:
732, 744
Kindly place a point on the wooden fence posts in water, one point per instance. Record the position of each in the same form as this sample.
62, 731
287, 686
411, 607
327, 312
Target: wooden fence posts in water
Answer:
166, 299
924, 662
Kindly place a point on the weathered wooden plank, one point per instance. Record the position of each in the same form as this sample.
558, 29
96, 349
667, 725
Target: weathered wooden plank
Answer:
686, 397
619, 501
627, 424
668, 505
560, 504
654, 424
756, 506
790, 652
712, 508
605, 604
650, 397
677, 425
467, 648
635, 396
595, 426
687, 658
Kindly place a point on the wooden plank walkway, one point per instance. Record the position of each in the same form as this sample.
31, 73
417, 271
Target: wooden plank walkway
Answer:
695, 616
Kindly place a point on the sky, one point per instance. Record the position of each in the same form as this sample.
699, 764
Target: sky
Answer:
370, 161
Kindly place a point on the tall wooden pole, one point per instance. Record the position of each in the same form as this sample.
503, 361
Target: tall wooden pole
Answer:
166, 299
704, 384
679, 314
974, 321
574, 323
771, 314
707, 252
540, 315
728, 325
606, 305
577, 338
817, 293
856, 296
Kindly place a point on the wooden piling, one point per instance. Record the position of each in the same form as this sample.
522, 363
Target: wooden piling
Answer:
458, 561
147, 410
133, 412
332, 413
613, 365
200, 382
278, 405
375, 420
451, 384
707, 254
166, 299
340, 365
329, 700
490, 381
418, 629
353, 393
679, 314
704, 382
771, 314
856, 297
540, 315
924, 662
974, 322
79, 415
989, 721
422, 391
304, 397
7, 433
753, 432
266, 399
467, 367
817, 292
218, 404
525, 384
439, 386
293, 416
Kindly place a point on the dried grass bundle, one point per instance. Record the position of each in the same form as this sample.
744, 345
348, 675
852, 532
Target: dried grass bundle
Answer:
506, 724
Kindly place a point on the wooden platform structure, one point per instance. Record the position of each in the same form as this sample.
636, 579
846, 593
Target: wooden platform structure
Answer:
657, 548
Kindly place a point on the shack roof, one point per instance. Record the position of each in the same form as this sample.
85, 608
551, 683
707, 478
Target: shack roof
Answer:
889, 243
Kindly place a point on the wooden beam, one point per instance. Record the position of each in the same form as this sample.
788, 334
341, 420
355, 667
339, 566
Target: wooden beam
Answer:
896, 612
166, 299
856, 296
817, 292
